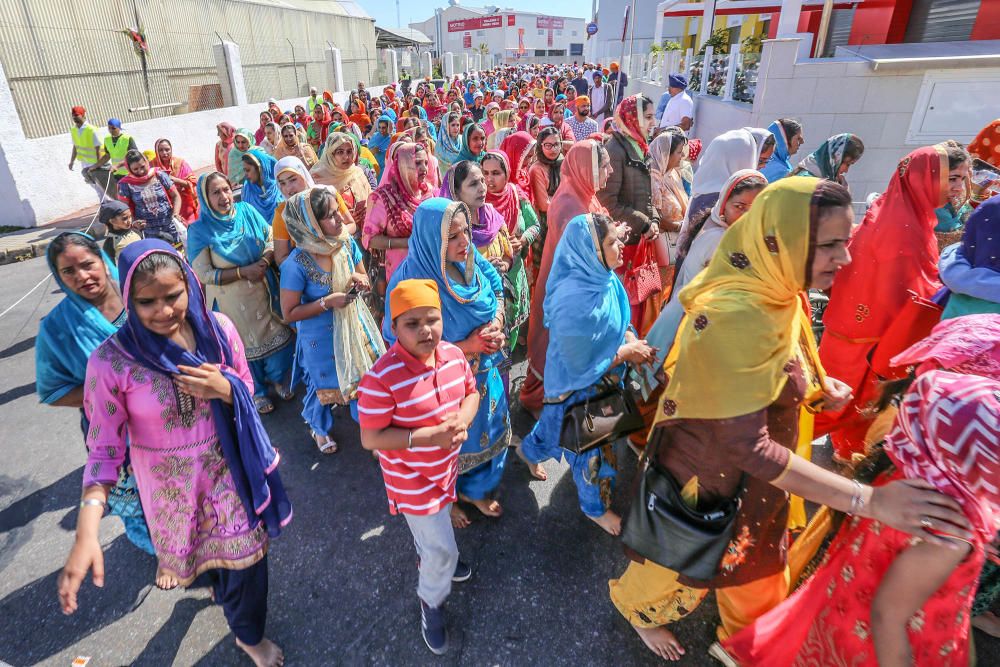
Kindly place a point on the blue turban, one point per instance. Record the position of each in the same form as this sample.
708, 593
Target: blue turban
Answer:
678, 81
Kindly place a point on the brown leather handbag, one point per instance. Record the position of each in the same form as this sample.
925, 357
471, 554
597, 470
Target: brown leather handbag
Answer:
610, 414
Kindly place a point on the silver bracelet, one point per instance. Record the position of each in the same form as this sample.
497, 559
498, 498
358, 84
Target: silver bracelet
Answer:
93, 502
409, 439
858, 498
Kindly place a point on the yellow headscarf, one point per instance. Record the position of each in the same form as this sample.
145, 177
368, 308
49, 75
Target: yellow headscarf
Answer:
746, 315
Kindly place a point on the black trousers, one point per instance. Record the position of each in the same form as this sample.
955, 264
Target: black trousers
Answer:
243, 596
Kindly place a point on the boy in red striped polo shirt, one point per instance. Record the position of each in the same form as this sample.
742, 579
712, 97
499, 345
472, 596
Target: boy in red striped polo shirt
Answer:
415, 406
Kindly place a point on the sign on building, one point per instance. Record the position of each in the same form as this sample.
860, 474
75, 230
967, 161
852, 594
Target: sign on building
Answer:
476, 24
549, 23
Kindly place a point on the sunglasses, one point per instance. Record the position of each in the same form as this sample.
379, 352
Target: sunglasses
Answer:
551, 146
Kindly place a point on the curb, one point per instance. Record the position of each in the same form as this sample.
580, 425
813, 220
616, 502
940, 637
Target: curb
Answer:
33, 249
24, 253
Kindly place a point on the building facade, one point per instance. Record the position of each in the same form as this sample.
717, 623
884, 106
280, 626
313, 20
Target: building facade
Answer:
851, 22
505, 35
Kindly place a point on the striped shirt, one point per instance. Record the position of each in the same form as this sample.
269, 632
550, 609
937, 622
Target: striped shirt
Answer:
405, 393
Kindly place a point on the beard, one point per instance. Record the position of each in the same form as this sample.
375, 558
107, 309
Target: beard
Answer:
584, 112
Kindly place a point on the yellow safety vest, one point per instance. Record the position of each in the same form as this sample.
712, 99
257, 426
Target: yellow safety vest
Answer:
116, 150
83, 140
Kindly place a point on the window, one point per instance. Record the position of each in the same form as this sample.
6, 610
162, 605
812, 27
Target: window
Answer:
558, 33
557, 52
539, 53
480, 33
574, 33
541, 33
576, 49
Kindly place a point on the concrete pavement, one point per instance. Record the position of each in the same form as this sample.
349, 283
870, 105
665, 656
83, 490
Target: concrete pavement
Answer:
343, 574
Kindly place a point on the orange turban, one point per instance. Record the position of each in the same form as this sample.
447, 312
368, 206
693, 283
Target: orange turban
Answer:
410, 294
581, 99
614, 67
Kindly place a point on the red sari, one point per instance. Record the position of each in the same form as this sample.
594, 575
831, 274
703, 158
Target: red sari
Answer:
894, 251
577, 195
945, 434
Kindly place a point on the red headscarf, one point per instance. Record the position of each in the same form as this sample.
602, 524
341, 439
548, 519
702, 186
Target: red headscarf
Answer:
694, 149
508, 201
518, 147
986, 145
576, 195
894, 253
630, 121
893, 249
228, 133
399, 190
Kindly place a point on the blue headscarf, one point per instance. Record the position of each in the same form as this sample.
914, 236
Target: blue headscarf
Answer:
266, 196
448, 149
586, 311
464, 153
779, 165
464, 307
381, 142
68, 335
239, 237
245, 445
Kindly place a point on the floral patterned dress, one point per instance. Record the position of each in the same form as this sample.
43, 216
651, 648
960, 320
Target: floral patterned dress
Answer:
832, 610
196, 519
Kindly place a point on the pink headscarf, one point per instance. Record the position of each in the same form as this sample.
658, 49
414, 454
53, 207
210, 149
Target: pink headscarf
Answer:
969, 344
947, 433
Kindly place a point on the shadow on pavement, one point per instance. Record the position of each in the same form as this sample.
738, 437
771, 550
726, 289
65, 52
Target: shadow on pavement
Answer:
43, 630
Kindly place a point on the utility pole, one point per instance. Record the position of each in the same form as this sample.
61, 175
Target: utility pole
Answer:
398, 24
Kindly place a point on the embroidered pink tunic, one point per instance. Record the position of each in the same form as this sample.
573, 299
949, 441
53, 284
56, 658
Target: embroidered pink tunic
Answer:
196, 520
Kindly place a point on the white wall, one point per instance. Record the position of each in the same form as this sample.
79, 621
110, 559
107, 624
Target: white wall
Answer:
33, 171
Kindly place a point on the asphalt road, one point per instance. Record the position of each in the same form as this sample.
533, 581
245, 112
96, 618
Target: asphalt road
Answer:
343, 575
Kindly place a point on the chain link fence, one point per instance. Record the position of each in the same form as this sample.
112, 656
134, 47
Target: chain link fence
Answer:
56, 56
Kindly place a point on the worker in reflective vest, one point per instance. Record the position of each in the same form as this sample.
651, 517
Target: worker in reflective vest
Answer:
116, 145
87, 150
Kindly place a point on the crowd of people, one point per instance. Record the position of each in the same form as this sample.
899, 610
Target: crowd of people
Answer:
396, 255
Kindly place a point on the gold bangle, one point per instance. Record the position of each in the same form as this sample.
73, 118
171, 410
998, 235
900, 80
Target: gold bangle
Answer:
238, 276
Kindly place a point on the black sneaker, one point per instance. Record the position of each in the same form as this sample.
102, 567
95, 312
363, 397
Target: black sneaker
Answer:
463, 572
432, 627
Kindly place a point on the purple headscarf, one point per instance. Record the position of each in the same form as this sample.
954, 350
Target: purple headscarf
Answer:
485, 229
245, 445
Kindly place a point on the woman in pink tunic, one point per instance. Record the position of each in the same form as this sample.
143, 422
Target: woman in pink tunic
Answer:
176, 382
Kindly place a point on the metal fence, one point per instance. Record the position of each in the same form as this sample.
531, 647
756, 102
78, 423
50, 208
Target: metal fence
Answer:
56, 55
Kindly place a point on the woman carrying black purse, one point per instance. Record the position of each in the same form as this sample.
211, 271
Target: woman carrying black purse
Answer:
587, 314
743, 382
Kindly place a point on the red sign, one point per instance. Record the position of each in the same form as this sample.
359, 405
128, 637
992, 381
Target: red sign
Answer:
495, 21
549, 23
510, 20
467, 40
550, 38
520, 41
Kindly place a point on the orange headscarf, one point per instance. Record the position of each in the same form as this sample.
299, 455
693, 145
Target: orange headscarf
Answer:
986, 145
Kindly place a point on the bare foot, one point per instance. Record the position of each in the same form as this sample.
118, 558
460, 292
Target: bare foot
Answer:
264, 654
165, 581
609, 521
536, 469
459, 519
487, 506
661, 641
987, 622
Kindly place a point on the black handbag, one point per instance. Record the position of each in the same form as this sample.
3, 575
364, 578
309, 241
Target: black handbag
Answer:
608, 415
661, 527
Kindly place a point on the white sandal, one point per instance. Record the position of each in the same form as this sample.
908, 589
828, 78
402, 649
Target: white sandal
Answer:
328, 446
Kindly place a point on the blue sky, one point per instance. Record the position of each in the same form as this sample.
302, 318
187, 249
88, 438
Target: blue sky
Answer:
384, 11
